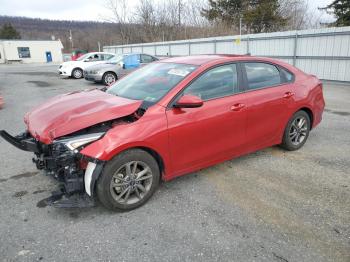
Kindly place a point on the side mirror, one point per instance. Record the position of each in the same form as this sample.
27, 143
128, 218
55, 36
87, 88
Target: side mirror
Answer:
189, 101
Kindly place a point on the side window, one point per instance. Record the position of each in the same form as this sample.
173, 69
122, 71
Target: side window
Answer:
106, 57
90, 58
286, 75
262, 75
95, 57
146, 58
217, 82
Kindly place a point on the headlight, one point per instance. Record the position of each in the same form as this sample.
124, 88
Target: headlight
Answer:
78, 141
95, 72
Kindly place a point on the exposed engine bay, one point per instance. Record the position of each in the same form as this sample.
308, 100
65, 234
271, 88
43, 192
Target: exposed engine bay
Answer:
75, 172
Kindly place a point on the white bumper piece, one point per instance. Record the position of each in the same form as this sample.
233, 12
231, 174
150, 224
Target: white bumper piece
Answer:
87, 177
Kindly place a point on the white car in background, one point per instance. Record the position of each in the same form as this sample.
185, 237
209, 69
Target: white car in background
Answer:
76, 68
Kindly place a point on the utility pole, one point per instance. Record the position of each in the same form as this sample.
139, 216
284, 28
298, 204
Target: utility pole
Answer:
179, 13
240, 27
99, 46
71, 39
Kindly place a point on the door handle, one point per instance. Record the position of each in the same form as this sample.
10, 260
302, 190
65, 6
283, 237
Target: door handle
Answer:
237, 107
288, 94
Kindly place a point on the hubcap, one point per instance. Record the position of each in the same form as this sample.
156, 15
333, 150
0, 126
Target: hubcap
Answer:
298, 130
131, 182
109, 79
77, 74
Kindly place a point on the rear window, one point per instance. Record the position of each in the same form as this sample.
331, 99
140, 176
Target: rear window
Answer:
261, 75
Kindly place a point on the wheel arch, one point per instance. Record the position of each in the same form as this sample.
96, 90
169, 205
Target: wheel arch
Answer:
111, 72
310, 114
307, 110
157, 157
152, 152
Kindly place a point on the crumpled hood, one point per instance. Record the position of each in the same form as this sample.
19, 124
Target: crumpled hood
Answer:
68, 113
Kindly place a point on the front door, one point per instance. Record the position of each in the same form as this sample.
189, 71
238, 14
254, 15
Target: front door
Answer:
216, 130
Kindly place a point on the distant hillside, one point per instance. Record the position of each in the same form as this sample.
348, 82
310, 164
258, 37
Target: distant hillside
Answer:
86, 34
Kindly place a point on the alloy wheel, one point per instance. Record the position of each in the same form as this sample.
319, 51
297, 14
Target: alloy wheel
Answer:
298, 130
131, 182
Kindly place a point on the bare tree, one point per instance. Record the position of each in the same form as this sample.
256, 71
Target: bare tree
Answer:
299, 14
121, 15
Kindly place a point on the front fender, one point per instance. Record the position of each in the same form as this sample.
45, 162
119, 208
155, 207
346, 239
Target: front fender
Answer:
150, 132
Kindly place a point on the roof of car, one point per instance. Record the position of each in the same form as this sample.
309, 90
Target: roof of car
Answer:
92, 53
201, 59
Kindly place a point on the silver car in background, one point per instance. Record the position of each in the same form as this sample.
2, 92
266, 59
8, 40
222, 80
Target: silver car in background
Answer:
116, 68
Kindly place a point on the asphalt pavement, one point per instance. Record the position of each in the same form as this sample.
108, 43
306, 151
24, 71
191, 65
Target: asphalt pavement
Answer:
271, 205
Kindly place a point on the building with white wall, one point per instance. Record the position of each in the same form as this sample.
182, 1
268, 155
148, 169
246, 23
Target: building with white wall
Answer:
30, 51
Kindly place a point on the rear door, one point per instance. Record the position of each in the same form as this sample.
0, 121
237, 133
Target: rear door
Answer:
270, 100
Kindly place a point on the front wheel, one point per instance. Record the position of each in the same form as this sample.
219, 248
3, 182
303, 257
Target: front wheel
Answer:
128, 180
109, 78
77, 73
297, 131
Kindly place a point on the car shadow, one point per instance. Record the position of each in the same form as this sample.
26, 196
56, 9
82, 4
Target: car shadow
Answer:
165, 188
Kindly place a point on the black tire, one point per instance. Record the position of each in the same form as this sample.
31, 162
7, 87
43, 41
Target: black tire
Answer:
107, 78
106, 192
290, 139
77, 73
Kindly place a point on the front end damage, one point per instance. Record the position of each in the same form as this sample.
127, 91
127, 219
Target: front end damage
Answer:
59, 129
61, 159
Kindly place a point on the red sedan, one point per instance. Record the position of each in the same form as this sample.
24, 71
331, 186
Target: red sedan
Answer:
167, 119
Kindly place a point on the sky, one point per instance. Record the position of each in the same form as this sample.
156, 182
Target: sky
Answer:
93, 10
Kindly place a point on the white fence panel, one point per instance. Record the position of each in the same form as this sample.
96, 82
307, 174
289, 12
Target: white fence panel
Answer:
323, 52
162, 50
202, 48
136, 49
149, 50
179, 49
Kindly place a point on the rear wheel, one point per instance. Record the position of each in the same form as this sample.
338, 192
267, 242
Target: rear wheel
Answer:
77, 73
109, 78
297, 131
128, 180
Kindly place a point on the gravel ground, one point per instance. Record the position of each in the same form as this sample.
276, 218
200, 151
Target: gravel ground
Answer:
271, 205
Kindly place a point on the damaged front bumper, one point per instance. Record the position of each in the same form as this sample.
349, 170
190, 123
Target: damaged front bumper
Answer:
76, 173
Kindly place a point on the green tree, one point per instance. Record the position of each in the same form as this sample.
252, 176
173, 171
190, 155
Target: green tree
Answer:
226, 11
258, 15
264, 16
9, 32
341, 10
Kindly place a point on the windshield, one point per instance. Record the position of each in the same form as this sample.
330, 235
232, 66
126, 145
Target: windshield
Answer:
152, 82
83, 57
115, 59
